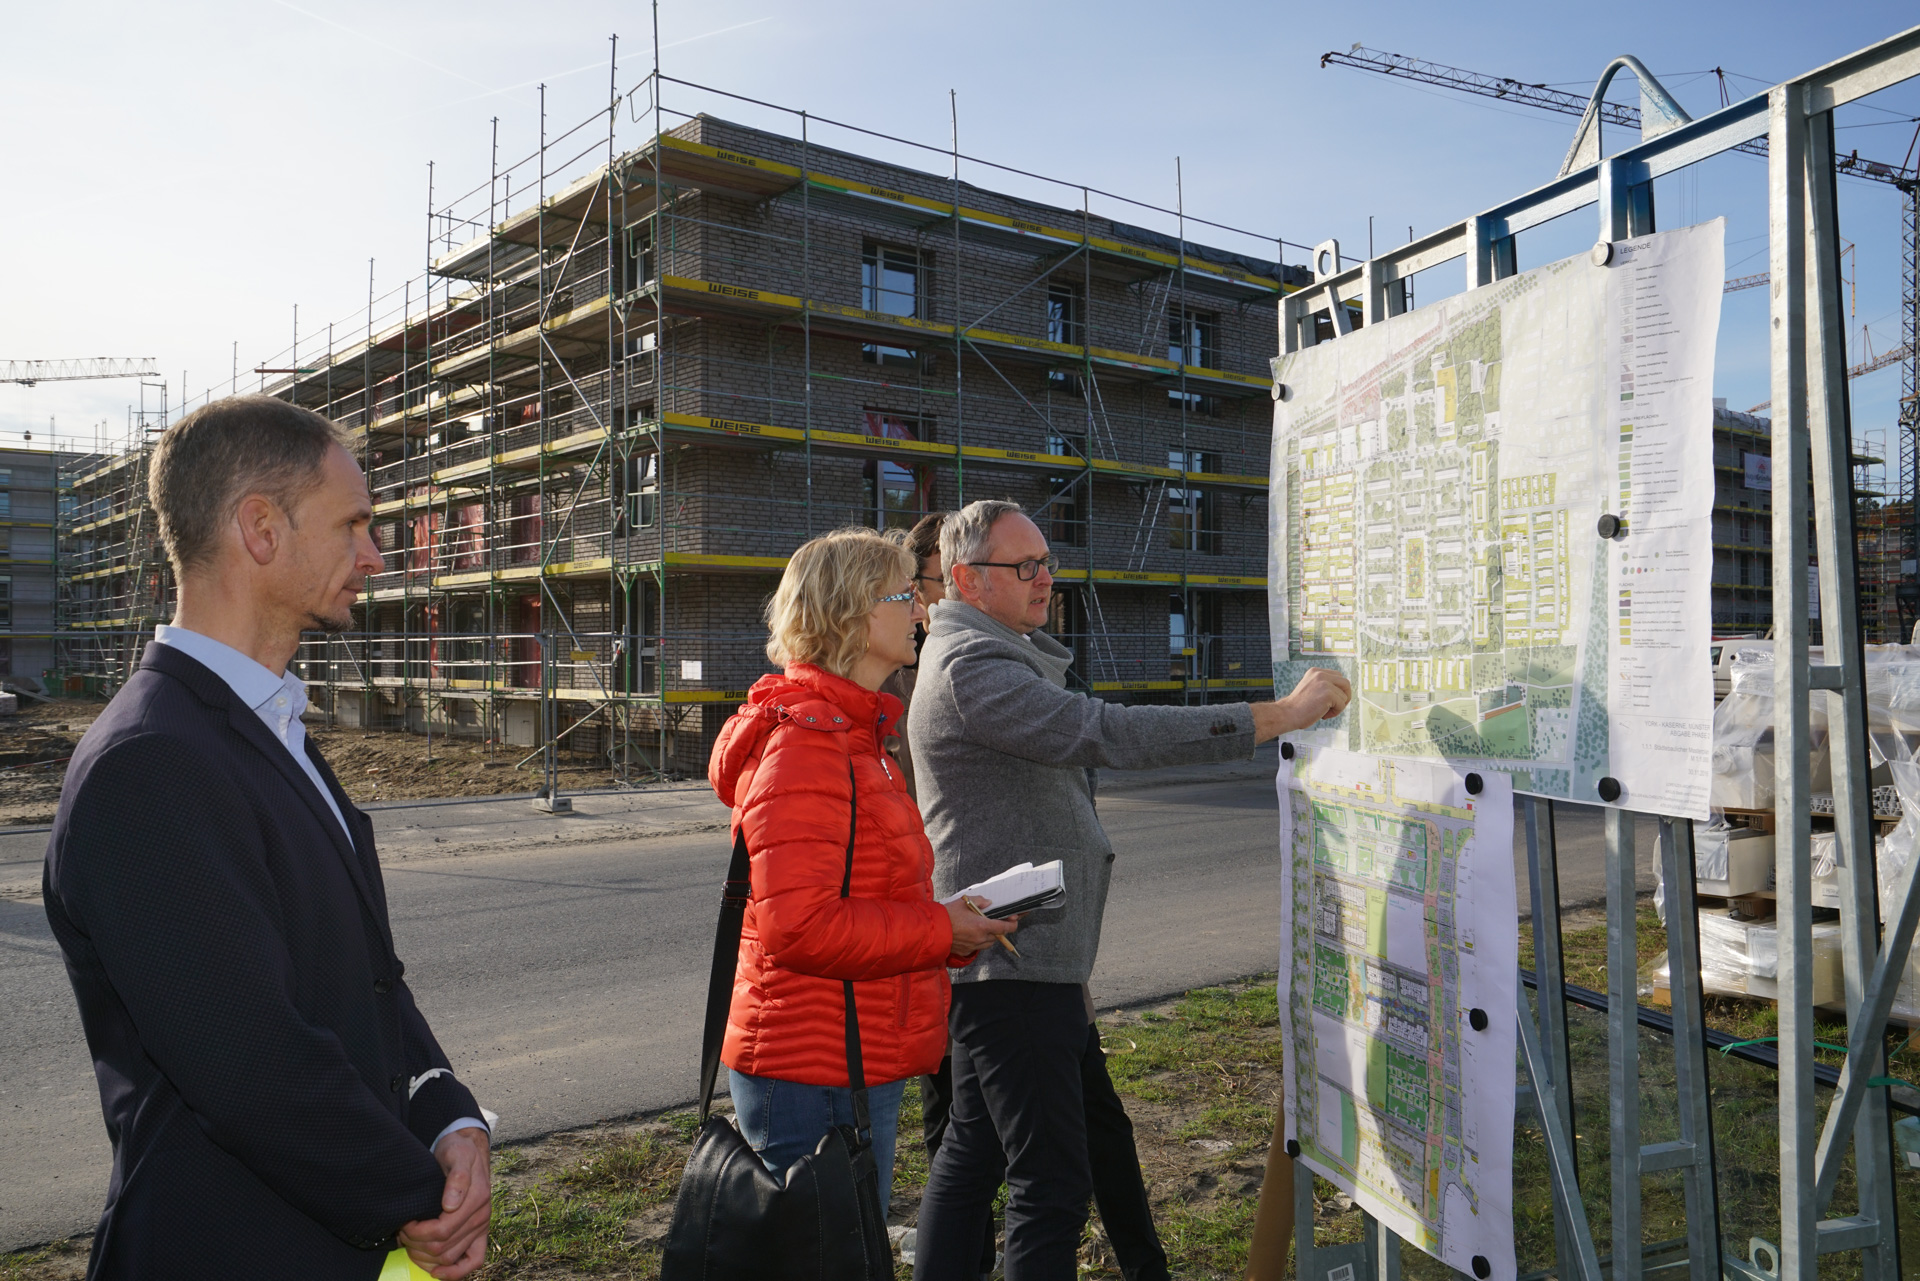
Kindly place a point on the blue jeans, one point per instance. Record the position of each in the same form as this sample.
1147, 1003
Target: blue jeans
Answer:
785, 1120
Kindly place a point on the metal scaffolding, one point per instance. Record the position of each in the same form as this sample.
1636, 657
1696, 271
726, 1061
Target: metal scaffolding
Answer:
638, 371
1813, 500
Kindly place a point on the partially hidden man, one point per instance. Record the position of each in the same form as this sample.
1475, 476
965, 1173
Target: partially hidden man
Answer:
277, 1104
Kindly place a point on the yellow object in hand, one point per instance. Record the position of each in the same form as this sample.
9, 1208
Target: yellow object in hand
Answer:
401, 1268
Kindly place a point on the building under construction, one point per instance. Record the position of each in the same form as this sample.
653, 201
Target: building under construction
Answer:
618, 399
621, 405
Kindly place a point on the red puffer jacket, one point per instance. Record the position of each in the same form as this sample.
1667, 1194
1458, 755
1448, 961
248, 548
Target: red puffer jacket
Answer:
781, 763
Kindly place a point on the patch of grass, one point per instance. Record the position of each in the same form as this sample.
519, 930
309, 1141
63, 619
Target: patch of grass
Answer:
1208, 1072
60, 1259
627, 1167
909, 1154
588, 1215
1210, 1240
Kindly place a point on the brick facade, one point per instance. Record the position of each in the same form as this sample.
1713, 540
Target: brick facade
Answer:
618, 442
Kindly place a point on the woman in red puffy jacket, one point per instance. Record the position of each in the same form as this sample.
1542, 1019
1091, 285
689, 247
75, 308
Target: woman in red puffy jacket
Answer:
796, 763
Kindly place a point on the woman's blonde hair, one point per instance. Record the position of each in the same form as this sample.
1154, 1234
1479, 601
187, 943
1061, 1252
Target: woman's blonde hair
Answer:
818, 614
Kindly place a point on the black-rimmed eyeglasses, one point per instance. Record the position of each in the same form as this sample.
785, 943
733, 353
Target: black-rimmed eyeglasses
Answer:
1025, 570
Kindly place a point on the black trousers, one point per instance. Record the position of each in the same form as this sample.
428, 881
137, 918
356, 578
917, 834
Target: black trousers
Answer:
1022, 1061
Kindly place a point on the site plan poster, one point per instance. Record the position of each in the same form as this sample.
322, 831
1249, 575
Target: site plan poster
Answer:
1435, 532
1398, 965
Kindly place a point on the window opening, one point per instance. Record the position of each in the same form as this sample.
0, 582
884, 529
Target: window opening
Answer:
466, 646
1193, 633
1066, 323
1192, 339
643, 490
1190, 512
636, 263
1066, 524
637, 663
898, 494
525, 510
891, 283
523, 663
1066, 315
466, 537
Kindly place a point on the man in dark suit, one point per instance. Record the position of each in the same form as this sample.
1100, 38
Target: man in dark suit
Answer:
277, 1104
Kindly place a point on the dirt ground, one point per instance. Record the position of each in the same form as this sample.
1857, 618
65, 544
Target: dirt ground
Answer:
372, 765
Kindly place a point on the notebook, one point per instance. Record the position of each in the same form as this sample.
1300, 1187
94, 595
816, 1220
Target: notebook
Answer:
1022, 888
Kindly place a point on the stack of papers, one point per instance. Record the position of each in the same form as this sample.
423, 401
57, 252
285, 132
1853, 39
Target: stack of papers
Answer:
1023, 888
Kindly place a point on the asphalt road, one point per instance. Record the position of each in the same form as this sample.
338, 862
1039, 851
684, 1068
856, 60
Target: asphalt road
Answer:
562, 962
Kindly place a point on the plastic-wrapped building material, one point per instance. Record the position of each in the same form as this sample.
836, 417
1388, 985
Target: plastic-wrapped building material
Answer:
1895, 852
1743, 738
1727, 862
1826, 870
1731, 861
1742, 958
1743, 723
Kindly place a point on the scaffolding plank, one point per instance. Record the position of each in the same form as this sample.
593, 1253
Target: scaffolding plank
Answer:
730, 172
734, 427
880, 446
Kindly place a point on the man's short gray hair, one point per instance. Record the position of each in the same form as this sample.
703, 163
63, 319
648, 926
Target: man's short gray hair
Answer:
209, 462
965, 535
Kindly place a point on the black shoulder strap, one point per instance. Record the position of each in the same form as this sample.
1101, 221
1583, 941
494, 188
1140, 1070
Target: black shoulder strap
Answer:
726, 961
856, 1066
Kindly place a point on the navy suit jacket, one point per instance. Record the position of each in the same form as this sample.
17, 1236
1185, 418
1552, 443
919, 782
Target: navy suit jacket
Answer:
230, 952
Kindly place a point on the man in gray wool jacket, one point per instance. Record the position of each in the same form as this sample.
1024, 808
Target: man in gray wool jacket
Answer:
1005, 756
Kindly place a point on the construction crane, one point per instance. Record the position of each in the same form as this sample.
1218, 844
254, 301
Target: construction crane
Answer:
29, 372
1904, 177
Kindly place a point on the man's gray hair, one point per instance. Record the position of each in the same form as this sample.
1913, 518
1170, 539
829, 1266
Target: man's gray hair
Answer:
965, 536
209, 462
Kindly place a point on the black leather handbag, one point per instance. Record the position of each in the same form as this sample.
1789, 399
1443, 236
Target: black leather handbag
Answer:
734, 1220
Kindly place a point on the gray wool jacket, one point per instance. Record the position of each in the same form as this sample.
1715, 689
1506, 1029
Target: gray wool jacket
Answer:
1005, 757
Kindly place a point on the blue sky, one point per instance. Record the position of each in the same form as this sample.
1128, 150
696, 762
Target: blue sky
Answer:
184, 174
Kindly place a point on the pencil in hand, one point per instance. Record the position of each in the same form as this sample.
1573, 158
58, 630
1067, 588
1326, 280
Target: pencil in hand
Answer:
999, 938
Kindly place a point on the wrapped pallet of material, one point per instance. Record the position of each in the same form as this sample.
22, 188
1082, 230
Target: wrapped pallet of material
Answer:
1826, 869
1895, 854
1731, 861
1893, 701
1742, 958
1743, 738
1727, 863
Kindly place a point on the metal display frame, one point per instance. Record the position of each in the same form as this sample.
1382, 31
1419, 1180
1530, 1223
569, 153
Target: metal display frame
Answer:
1812, 491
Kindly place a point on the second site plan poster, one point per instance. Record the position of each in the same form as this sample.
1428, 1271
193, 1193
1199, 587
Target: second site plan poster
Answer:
1436, 530
1398, 973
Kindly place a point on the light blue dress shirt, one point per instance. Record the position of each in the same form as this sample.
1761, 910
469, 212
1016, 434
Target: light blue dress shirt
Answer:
280, 701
